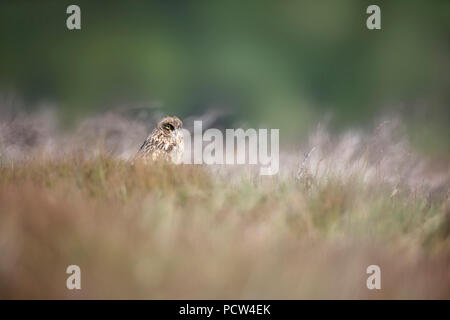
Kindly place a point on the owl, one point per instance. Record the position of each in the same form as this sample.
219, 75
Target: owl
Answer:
166, 142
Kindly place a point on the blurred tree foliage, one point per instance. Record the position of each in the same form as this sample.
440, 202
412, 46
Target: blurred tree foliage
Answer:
274, 63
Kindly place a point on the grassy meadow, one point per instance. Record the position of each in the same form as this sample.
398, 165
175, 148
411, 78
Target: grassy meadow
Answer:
185, 232
364, 173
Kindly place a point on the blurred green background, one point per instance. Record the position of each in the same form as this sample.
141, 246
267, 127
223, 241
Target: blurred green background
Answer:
282, 64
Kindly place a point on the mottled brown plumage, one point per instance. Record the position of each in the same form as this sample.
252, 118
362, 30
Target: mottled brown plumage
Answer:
165, 142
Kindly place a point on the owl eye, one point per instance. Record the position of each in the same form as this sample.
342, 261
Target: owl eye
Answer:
169, 127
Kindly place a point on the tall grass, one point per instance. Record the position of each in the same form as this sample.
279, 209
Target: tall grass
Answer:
165, 231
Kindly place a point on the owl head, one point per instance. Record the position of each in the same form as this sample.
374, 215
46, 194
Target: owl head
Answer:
171, 127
